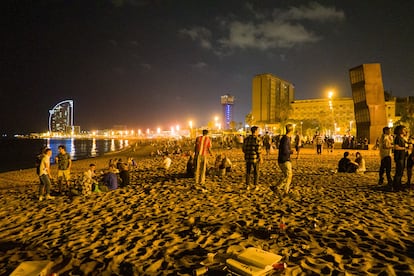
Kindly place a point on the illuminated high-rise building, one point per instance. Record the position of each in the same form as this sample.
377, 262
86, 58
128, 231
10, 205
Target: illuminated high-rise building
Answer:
61, 117
271, 99
369, 101
227, 102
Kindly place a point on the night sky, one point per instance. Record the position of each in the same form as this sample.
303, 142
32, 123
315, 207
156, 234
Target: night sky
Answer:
162, 63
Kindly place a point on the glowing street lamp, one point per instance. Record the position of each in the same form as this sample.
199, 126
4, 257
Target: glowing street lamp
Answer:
330, 97
190, 123
390, 124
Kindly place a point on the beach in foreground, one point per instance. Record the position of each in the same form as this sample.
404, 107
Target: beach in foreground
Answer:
336, 224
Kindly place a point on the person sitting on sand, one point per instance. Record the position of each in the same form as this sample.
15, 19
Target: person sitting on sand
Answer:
190, 165
346, 165
131, 163
88, 181
124, 174
166, 162
225, 165
217, 163
110, 179
360, 161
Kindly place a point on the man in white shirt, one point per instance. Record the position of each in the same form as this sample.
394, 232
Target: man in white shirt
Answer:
44, 176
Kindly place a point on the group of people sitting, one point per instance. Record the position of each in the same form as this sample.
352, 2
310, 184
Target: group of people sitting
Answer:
115, 176
348, 166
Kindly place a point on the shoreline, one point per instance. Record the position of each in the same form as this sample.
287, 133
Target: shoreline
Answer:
26, 177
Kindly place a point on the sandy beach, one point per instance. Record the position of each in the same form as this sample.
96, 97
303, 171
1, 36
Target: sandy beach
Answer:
336, 224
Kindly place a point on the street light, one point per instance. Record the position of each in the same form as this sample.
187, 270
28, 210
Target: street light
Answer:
330, 103
216, 120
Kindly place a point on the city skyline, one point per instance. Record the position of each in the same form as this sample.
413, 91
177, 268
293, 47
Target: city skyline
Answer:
156, 63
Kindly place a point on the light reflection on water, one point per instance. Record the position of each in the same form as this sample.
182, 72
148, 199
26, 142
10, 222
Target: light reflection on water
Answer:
112, 145
84, 148
93, 148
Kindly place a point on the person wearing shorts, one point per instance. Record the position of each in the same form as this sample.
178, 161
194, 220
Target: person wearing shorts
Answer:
64, 164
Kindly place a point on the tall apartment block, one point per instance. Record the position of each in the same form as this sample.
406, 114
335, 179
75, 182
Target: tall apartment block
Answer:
227, 102
271, 99
369, 102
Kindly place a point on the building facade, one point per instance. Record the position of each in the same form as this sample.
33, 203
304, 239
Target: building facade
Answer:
332, 117
227, 102
369, 102
61, 118
271, 99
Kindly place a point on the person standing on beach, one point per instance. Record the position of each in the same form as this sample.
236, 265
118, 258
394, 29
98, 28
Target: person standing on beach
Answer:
400, 154
45, 176
410, 164
385, 148
252, 155
284, 161
298, 143
64, 163
201, 152
266, 142
319, 143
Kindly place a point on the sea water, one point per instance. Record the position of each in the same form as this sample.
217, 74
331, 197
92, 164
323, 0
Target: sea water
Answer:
16, 154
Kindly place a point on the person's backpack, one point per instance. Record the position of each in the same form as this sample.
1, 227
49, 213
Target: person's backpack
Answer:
38, 161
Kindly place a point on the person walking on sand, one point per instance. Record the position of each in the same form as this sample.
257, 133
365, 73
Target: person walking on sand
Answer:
284, 161
201, 152
64, 164
45, 176
400, 154
385, 149
252, 155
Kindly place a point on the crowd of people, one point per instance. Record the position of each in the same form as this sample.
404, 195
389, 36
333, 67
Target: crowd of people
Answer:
253, 146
